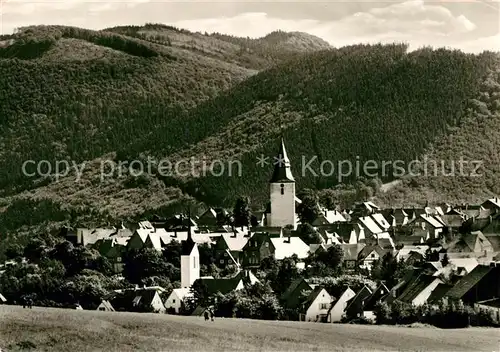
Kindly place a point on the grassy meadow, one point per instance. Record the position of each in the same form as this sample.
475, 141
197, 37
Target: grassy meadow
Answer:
45, 329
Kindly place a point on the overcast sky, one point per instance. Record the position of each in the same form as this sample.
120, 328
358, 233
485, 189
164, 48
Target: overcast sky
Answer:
469, 25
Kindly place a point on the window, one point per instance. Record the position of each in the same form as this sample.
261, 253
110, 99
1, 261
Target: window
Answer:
101, 309
173, 301
267, 244
282, 186
323, 306
222, 261
225, 254
194, 262
373, 255
119, 259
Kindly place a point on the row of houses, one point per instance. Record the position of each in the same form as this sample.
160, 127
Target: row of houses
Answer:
478, 288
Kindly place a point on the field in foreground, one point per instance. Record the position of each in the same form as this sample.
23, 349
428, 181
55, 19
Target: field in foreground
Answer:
43, 329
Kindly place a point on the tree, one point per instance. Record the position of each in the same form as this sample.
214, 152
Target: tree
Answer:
309, 209
308, 234
200, 294
147, 262
172, 253
328, 198
241, 212
14, 251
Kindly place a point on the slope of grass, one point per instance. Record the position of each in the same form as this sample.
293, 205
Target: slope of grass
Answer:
66, 330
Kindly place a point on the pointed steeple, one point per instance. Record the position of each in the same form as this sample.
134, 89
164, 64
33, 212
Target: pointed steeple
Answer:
188, 244
282, 172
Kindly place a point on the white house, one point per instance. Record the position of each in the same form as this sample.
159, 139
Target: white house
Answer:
178, 295
339, 306
317, 305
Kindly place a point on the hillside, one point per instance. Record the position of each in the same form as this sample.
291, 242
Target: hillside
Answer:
89, 93
361, 103
42, 329
156, 92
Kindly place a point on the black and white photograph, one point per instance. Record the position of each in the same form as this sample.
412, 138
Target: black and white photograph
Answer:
261, 175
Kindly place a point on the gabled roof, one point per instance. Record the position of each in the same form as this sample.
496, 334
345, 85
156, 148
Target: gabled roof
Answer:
288, 246
360, 297
234, 242
439, 292
223, 286
313, 295
378, 294
293, 287
351, 251
368, 249
282, 172
468, 282
182, 292
370, 224
416, 287
381, 221
106, 305
431, 220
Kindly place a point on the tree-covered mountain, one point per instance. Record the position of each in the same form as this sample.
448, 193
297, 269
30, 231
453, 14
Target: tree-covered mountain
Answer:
160, 93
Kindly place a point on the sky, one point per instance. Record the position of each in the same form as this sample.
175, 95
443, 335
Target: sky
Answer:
469, 25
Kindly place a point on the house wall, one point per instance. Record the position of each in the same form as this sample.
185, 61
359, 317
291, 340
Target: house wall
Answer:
282, 205
424, 295
368, 261
319, 306
157, 304
190, 268
494, 312
173, 301
340, 306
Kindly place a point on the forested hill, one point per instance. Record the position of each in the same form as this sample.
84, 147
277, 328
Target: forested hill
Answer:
361, 103
161, 92
93, 92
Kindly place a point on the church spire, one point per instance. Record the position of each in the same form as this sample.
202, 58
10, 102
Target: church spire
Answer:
188, 244
282, 172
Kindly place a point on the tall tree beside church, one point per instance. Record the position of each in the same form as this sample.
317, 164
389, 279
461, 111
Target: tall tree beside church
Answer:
241, 212
309, 209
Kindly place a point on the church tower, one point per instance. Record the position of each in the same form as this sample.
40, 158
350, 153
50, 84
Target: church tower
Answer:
190, 260
282, 191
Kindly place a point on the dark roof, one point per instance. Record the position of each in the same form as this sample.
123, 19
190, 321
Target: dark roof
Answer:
188, 244
293, 286
416, 287
368, 249
312, 296
439, 292
282, 172
357, 301
129, 299
379, 294
223, 286
468, 282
